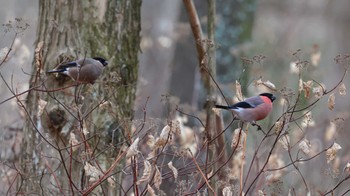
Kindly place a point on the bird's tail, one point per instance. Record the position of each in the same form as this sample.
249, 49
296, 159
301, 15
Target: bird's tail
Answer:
222, 107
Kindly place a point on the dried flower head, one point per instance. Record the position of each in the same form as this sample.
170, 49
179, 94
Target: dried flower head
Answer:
331, 101
342, 89
318, 92
239, 94
332, 152
305, 146
308, 121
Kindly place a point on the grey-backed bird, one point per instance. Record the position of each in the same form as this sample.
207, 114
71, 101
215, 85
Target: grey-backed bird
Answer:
85, 70
253, 108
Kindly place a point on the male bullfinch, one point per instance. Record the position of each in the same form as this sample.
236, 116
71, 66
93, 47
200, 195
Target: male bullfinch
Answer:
253, 108
85, 70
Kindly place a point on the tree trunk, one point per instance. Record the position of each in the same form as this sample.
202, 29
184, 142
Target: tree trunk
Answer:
59, 110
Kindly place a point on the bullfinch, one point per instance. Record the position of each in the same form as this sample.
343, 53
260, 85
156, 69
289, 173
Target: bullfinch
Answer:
85, 70
253, 108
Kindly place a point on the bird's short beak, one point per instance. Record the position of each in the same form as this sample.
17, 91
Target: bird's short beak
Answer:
273, 97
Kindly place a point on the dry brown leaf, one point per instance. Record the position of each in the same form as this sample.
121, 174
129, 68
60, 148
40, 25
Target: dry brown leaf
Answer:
307, 88
236, 136
239, 91
332, 152
157, 178
42, 104
227, 191
342, 89
305, 146
111, 181
92, 172
278, 126
147, 172
300, 86
331, 101
269, 85
151, 191
73, 141
133, 149
347, 167
173, 169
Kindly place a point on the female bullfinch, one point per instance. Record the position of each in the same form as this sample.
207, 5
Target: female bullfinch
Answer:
253, 108
85, 70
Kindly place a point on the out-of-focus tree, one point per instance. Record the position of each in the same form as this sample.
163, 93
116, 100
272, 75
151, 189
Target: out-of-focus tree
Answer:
70, 126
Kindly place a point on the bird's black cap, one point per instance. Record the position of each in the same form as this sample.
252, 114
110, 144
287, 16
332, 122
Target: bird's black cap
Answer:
269, 95
102, 60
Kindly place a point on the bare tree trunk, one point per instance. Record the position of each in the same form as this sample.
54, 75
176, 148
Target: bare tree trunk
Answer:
59, 111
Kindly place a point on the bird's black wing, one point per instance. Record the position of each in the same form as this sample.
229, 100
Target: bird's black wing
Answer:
67, 65
242, 104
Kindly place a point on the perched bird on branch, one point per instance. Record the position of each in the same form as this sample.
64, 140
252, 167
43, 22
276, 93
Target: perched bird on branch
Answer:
253, 108
85, 70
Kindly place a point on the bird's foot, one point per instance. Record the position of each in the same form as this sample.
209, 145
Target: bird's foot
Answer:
255, 124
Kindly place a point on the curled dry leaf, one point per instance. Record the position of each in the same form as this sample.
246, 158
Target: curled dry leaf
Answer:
258, 82
269, 85
42, 104
305, 146
278, 126
227, 191
347, 167
173, 169
300, 86
151, 141
237, 138
332, 152
330, 131
111, 181
342, 89
133, 149
261, 193
331, 101
73, 142
150, 190
85, 130
3, 53
157, 178
147, 172
239, 91
164, 137
92, 172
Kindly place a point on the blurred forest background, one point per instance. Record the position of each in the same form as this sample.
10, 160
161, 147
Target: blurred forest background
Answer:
253, 40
